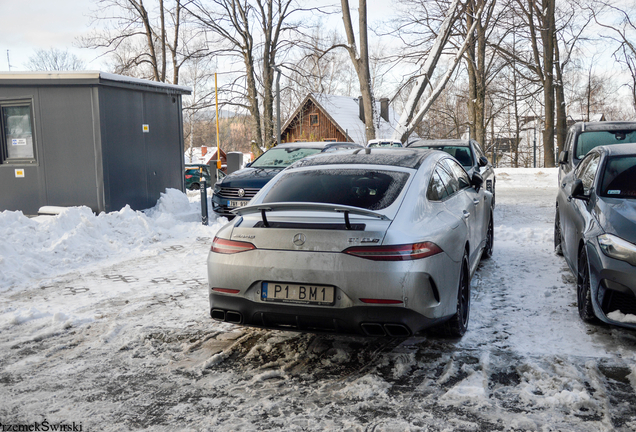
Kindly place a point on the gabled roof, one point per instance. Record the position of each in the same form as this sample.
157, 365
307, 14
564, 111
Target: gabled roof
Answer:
344, 113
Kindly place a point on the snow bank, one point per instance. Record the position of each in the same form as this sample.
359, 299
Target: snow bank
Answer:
49, 245
526, 177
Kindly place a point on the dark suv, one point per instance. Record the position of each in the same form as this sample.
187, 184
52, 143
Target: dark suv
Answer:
469, 154
238, 188
194, 175
583, 137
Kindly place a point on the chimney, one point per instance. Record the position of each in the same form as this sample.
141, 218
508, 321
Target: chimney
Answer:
384, 109
361, 105
204, 151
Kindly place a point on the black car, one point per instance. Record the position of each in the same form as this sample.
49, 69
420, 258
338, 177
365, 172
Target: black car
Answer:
238, 188
468, 153
584, 136
595, 230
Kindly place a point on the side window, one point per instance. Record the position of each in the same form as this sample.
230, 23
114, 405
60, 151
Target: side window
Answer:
588, 172
459, 173
436, 188
449, 182
17, 144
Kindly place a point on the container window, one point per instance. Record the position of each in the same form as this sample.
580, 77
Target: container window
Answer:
17, 133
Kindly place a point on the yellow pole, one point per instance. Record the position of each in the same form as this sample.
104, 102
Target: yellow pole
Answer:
218, 139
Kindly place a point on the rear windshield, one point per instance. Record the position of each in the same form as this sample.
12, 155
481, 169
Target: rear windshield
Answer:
619, 178
588, 140
371, 190
282, 157
462, 154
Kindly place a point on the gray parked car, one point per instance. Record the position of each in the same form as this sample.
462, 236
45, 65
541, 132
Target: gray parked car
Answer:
468, 153
584, 136
372, 241
595, 230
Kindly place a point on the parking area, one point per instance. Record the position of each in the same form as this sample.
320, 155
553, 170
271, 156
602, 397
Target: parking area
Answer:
128, 343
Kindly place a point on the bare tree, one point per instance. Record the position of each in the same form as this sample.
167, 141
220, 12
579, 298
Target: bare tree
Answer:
413, 113
623, 32
256, 33
54, 59
151, 39
360, 59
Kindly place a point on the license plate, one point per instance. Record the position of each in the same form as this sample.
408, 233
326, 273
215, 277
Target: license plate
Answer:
294, 293
237, 203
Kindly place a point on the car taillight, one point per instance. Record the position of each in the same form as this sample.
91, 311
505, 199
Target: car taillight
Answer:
395, 253
230, 246
380, 301
188, 176
226, 290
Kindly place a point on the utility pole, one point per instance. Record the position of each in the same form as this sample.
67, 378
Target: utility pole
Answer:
8, 61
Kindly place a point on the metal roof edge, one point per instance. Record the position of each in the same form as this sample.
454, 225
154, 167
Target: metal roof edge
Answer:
88, 77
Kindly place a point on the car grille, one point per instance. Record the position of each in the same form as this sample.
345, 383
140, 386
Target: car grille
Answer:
233, 192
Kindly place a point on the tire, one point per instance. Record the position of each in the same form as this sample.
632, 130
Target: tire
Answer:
458, 324
490, 240
558, 239
583, 291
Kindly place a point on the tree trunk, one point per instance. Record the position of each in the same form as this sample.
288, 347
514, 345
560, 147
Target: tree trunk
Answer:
547, 35
361, 62
561, 116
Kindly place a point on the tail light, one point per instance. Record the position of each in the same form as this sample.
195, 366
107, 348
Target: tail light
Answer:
380, 301
230, 246
395, 253
188, 176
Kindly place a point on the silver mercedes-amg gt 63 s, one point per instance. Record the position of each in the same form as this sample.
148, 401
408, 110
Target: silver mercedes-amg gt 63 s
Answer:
372, 241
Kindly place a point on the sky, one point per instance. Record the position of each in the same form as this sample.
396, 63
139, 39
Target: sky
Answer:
58, 24
43, 25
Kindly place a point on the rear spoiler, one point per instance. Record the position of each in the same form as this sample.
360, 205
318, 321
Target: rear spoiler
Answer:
307, 206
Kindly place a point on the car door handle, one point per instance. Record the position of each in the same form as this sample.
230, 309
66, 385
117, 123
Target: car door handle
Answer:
476, 201
466, 214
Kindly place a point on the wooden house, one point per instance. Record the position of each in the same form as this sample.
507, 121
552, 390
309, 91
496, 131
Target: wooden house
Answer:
321, 117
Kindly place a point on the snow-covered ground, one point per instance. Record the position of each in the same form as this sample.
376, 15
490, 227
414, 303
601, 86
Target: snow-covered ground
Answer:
104, 322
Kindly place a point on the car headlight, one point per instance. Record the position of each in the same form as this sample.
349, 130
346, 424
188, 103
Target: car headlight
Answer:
616, 247
217, 188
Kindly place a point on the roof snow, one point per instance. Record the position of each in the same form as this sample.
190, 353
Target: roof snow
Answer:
345, 111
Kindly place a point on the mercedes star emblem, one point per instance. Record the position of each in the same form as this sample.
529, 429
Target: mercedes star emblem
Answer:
300, 239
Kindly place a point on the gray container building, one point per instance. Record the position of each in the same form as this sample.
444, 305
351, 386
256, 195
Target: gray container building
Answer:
88, 139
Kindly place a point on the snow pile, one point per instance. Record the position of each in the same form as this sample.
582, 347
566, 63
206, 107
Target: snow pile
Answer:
49, 245
535, 178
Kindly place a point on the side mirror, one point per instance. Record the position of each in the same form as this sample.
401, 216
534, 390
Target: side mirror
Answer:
563, 157
476, 181
578, 191
247, 165
483, 161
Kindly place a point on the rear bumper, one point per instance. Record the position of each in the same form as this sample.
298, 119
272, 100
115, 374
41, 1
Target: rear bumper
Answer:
426, 288
361, 320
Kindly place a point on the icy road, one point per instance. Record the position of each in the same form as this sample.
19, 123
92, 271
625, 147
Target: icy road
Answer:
104, 323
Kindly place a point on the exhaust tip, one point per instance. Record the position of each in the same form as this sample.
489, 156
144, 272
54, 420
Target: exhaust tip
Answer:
397, 330
218, 314
373, 329
233, 317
